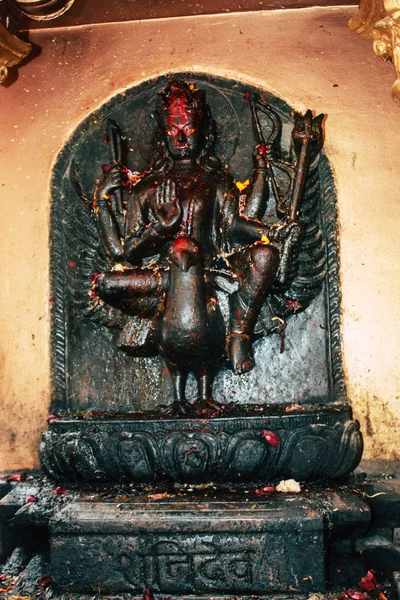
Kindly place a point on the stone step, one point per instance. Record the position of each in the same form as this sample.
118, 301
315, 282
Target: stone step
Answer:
175, 548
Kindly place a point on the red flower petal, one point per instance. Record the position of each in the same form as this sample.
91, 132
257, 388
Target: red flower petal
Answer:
60, 491
356, 595
368, 583
3, 577
16, 477
271, 437
51, 417
31, 498
269, 489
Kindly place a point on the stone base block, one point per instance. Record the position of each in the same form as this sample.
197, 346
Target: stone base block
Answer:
189, 548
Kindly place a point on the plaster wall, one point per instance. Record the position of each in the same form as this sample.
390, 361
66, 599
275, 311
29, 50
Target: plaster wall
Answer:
309, 58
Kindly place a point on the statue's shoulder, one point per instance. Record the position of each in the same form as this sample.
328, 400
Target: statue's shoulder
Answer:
220, 178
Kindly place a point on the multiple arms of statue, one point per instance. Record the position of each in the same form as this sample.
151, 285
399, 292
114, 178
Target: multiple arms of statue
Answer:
107, 225
257, 198
145, 239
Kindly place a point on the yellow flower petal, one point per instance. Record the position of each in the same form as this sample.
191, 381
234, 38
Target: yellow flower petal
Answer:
242, 185
265, 239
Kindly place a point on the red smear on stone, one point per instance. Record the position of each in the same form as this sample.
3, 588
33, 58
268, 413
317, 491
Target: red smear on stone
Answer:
292, 306
148, 594
282, 344
45, 581
271, 437
263, 150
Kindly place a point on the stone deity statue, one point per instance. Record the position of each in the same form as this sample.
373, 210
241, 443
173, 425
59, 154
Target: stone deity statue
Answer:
184, 230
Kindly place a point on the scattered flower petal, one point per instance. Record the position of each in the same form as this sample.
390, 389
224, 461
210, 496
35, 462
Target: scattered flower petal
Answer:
265, 240
288, 485
16, 477
355, 594
31, 498
269, 489
242, 185
271, 437
51, 417
368, 582
3, 577
60, 491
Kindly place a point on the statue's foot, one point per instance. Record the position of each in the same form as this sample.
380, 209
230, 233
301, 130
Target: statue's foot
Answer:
208, 408
176, 409
240, 353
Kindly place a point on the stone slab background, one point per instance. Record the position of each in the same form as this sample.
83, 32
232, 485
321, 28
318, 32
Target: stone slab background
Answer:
309, 58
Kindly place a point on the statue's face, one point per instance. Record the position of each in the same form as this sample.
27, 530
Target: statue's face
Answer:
183, 135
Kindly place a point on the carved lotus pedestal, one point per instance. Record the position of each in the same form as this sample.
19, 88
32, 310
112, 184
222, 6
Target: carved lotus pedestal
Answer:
312, 445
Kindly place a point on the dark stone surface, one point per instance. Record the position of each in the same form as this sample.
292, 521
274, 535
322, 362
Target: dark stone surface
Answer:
379, 553
347, 515
17, 562
312, 445
384, 498
28, 582
396, 579
189, 548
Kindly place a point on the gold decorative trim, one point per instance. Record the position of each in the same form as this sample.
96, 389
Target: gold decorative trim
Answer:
12, 51
369, 12
386, 43
381, 20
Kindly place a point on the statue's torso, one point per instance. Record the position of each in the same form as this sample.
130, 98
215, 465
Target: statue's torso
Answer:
200, 195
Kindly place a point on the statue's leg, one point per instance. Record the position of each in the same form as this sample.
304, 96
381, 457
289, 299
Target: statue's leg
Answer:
205, 384
178, 407
205, 403
134, 291
256, 267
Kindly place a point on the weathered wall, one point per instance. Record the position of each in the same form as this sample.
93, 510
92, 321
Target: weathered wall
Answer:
310, 59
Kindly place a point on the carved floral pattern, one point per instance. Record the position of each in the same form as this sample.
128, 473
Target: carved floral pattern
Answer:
312, 452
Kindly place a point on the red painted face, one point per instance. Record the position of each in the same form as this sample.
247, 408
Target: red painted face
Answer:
183, 131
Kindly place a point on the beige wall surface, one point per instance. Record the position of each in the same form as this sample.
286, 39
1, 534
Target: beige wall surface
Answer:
310, 59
